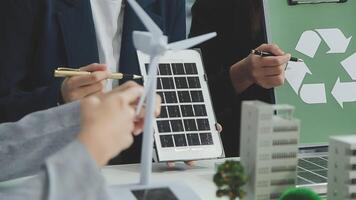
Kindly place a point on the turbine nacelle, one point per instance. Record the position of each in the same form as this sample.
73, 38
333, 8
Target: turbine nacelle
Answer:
149, 43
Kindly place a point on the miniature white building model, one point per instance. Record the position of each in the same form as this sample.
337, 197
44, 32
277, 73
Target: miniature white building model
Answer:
269, 148
342, 168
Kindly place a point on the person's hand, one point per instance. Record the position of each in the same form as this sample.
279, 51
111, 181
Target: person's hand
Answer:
268, 72
78, 87
109, 123
139, 121
191, 163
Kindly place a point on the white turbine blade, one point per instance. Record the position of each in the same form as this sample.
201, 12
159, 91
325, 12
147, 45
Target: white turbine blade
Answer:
142, 41
150, 78
145, 18
191, 42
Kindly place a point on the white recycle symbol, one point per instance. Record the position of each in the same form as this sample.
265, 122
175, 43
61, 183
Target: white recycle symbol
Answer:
308, 45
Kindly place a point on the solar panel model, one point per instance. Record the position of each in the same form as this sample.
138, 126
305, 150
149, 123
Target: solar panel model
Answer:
186, 127
312, 170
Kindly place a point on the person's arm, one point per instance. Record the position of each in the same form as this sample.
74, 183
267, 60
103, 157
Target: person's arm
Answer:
239, 76
24, 86
69, 174
24, 145
72, 173
206, 18
267, 72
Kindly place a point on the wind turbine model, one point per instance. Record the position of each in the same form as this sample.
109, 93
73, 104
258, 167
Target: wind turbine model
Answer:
155, 44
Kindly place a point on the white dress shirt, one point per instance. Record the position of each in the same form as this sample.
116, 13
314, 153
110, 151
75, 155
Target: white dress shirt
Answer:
108, 21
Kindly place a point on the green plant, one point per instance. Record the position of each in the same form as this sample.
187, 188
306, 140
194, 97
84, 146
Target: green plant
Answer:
229, 179
299, 193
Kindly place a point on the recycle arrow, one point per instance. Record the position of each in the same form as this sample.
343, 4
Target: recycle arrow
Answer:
295, 73
349, 65
313, 93
335, 39
344, 92
308, 43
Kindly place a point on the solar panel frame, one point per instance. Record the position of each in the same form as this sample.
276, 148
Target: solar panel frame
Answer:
181, 90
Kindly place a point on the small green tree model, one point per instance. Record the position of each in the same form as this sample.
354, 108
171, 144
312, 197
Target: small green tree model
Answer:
229, 179
299, 194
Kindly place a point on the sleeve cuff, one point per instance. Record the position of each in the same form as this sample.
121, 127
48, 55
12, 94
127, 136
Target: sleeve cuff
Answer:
73, 174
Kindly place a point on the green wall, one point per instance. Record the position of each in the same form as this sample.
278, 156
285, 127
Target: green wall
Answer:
285, 26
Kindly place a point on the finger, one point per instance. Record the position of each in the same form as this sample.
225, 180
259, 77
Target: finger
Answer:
88, 90
271, 61
123, 87
274, 81
140, 115
157, 109
126, 85
273, 71
190, 163
158, 105
271, 48
131, 95
103, 83
138, 127
219, 128
98, 94
90, 102
79, 81
171, 164
94, 67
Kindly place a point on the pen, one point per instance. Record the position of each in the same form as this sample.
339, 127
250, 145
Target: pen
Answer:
264, 54
69, 72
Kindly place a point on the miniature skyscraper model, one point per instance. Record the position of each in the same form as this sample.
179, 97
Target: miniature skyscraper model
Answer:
268, 150
342, 168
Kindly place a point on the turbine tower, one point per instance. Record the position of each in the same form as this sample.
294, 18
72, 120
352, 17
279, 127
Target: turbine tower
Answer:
155, 44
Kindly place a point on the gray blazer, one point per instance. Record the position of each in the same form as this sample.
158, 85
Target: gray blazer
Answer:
44, 144
68, 174
26, 144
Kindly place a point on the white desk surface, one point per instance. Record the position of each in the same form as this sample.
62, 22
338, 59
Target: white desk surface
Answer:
199, 177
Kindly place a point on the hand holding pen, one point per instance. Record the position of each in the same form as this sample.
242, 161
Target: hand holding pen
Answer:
265, 54
86, 81
265, 71
70, 72
75, 88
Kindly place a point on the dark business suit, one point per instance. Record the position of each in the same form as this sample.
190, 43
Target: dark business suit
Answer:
41, 35
230, 19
